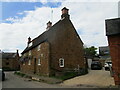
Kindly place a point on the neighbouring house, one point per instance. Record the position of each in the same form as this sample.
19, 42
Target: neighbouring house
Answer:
104, 54
57, 50
10, 61
104, 50
113, 35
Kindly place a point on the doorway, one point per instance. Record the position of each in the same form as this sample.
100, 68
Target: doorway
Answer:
34, 65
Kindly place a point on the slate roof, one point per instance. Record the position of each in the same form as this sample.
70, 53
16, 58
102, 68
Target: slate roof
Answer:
40, 39
48, 34
112, 26
8, 55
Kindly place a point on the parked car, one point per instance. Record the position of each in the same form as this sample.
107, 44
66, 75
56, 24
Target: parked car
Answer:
96, 65
107, 65
2, 75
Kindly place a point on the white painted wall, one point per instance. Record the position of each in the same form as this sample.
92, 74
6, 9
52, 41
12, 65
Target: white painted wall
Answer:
89, 63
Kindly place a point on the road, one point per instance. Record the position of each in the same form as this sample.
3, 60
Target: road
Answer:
14, 81
95, 78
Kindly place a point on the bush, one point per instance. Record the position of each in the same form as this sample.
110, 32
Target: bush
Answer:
71, 74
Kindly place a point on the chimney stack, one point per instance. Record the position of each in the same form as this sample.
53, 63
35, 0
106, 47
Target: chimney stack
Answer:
29, 40
17, 52
49, 25
65, 13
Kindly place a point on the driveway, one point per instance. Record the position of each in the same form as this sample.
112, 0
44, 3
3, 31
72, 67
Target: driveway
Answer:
97, 78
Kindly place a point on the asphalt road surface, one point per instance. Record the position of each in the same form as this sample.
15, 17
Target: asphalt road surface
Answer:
14, 81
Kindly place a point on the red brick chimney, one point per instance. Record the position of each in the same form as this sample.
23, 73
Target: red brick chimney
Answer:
65, 13
29, 40
49, 25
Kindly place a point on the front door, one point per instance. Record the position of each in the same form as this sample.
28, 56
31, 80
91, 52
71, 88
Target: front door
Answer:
34, 65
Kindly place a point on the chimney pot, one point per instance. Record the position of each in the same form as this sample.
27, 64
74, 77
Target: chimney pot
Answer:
17, 52
49, 25
29, 40
65, 13
65, 10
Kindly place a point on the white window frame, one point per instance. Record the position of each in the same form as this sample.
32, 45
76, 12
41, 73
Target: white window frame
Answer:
23, 63
41, 55
24, 54
61, 59
30, 44
39, 47
29, 62
29, 52
39, 61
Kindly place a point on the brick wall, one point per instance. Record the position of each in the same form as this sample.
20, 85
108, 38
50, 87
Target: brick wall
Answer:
66, 44
10, 64
43, 54
114, 43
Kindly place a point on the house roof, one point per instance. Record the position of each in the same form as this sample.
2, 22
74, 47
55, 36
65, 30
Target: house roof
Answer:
8, 55
40, 39
49, 34
112, 26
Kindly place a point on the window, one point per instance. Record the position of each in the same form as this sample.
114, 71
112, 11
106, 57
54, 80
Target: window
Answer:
61, 62
30, 52
24, 54
41, 55
29, 62
39, 61
39, 47
23, 63
7, 63
30, 44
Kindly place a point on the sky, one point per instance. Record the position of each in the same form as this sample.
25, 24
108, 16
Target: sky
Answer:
20, 19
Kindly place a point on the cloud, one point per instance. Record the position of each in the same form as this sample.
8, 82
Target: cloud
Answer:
87, 18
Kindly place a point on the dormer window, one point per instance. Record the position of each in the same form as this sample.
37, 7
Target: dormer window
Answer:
30, 44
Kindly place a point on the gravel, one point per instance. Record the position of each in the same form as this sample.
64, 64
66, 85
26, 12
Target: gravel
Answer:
95, 78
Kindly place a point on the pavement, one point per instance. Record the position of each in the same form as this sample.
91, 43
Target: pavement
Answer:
45, 79
95, 78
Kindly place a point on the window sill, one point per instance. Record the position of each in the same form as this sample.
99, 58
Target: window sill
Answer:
62, 66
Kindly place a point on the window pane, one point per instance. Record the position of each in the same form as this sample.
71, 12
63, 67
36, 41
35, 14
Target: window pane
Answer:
61, 62
29, 62
30, 52
39, 63
39, 47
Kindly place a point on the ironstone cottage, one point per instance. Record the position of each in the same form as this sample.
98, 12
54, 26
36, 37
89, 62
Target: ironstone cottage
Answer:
57, 50
10, 61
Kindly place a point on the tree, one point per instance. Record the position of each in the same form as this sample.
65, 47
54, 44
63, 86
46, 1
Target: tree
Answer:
90, 51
